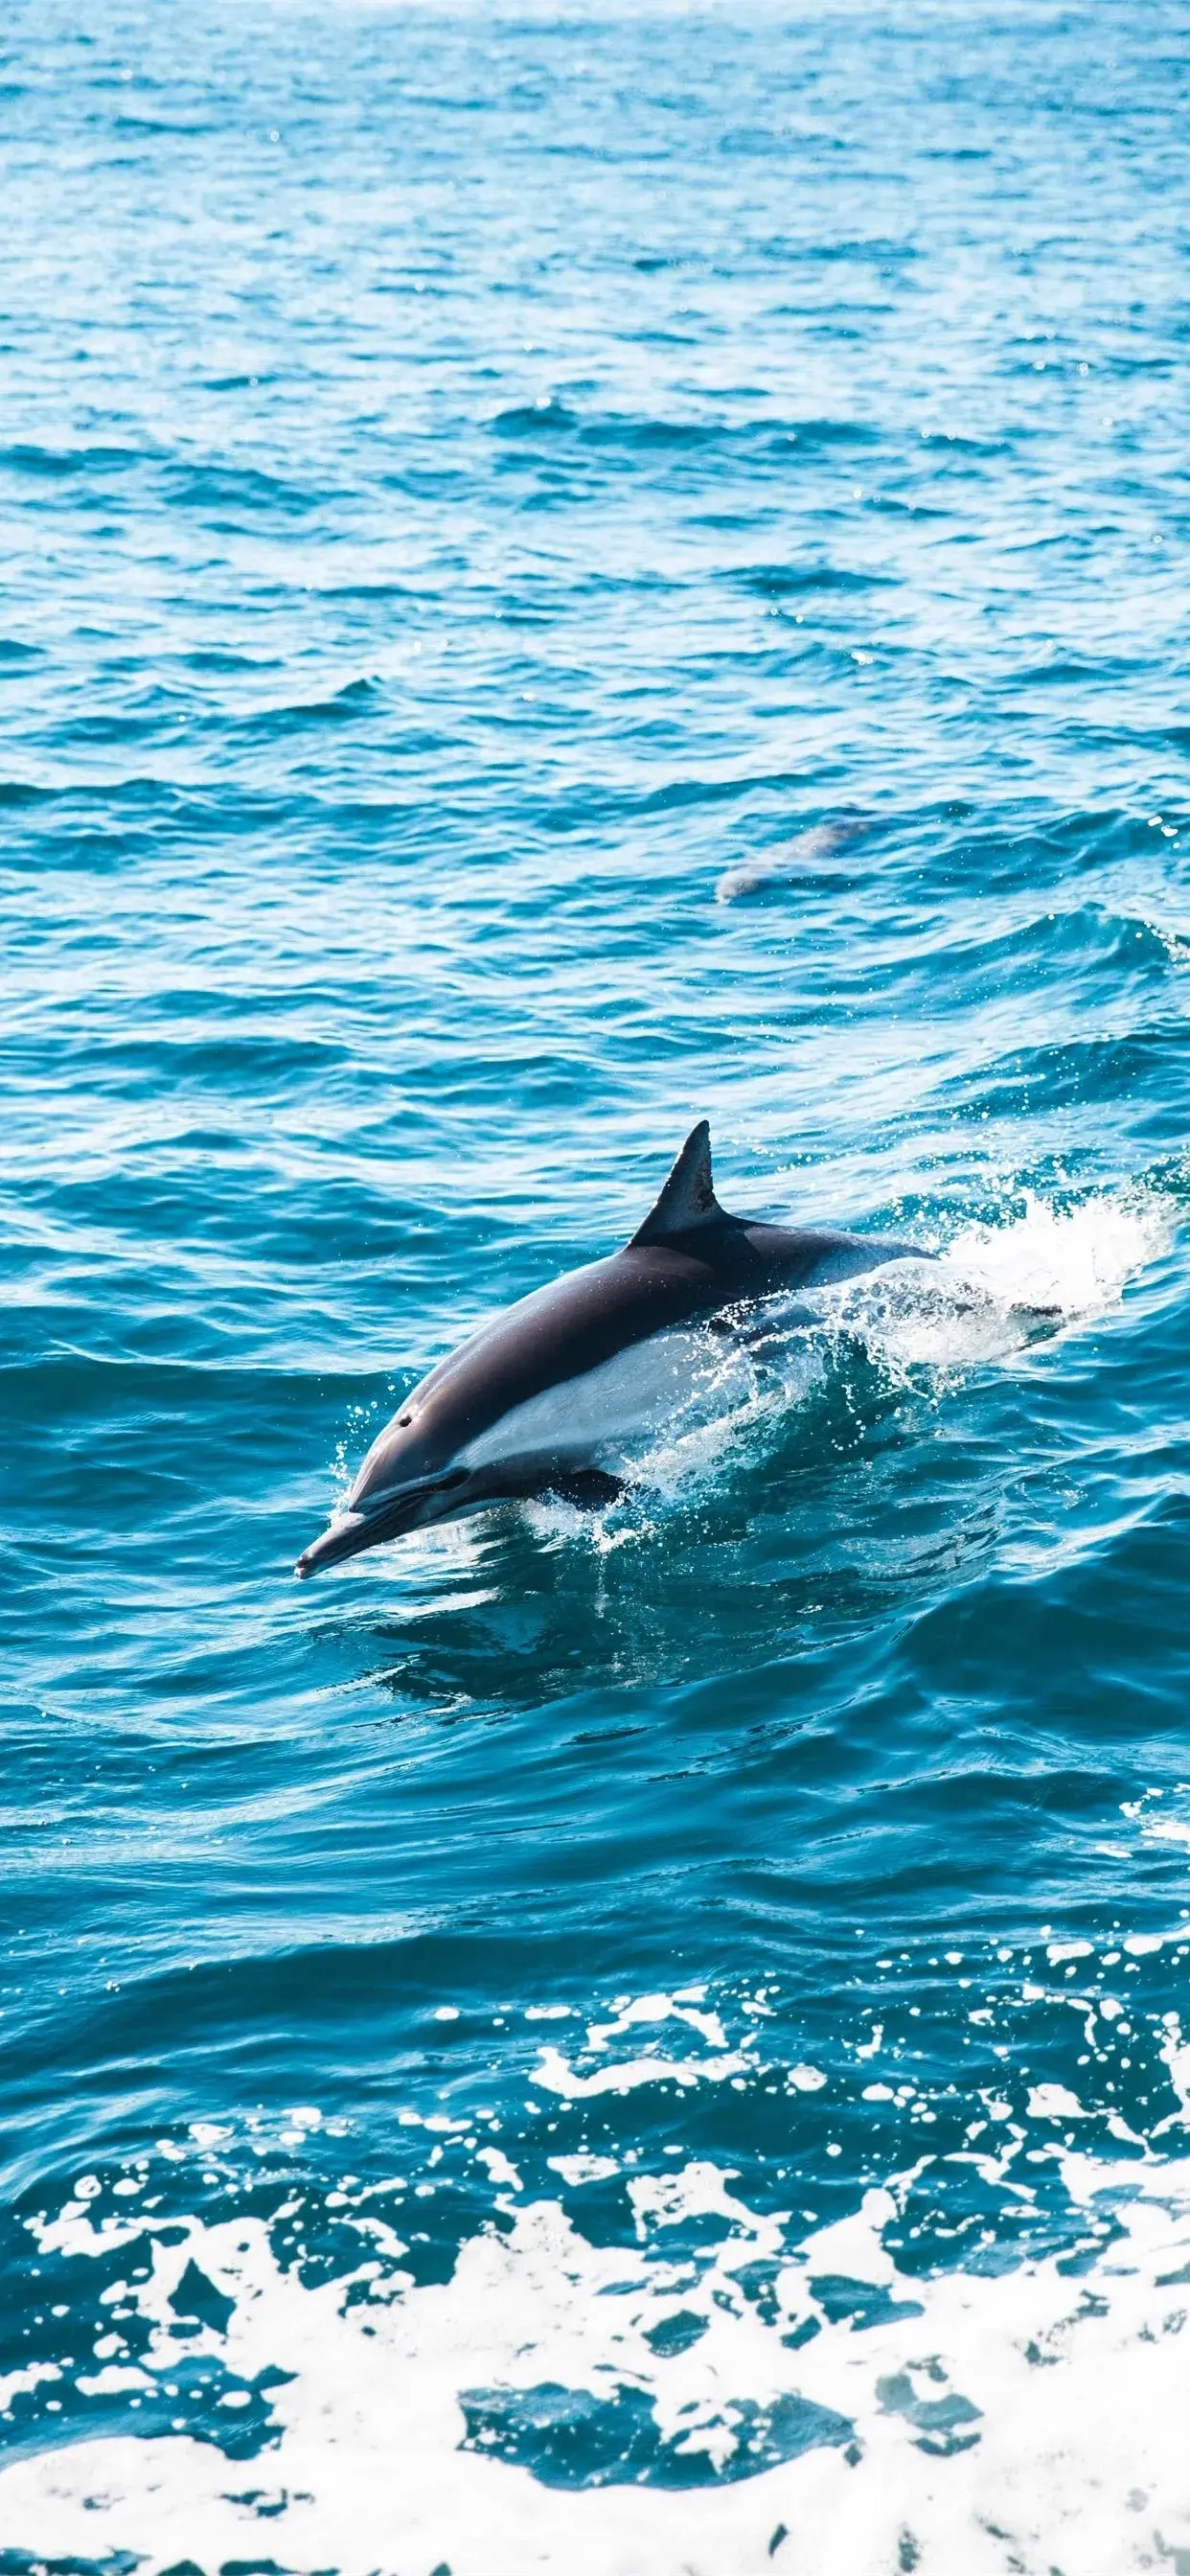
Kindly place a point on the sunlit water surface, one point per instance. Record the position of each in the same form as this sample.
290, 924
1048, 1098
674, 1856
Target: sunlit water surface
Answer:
565, 574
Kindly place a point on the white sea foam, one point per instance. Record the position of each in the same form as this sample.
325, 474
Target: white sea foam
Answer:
993, 1287
1162, 1816
556, 2075
977, 2421
1004, 2414
1079, 1259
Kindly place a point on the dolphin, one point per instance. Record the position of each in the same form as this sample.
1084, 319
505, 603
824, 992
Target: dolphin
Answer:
804, 860
543, 1394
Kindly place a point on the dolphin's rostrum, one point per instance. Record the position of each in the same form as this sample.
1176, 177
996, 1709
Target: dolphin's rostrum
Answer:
540, 1397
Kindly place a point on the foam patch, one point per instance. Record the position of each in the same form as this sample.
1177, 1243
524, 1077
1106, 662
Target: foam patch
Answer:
1014, 2418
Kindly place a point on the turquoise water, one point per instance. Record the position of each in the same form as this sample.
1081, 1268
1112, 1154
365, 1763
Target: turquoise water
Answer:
568, 573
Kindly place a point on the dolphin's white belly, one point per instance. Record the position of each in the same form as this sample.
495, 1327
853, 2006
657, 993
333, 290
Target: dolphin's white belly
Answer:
582, 1417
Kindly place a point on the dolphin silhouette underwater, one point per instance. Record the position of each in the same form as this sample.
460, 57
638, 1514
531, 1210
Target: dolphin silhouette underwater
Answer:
536, 1400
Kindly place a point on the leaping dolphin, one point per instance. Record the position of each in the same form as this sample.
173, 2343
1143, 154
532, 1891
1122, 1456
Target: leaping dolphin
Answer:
539, 1397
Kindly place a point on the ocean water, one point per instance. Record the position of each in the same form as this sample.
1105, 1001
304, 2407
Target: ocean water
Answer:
570, 570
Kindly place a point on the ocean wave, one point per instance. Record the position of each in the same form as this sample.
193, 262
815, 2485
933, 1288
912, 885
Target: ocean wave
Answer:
659, 2035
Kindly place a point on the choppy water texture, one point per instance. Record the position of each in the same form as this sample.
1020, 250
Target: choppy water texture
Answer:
567, 573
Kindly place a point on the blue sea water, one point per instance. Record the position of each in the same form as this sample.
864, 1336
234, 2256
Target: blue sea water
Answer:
569, 570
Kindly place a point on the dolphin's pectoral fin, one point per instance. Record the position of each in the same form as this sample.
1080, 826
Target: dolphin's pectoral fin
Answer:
688, 1198
590, 1487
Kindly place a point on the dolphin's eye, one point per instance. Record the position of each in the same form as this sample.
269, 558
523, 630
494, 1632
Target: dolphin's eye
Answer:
403, 1421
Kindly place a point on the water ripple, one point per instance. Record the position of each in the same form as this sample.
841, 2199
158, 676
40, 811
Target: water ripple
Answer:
567, 574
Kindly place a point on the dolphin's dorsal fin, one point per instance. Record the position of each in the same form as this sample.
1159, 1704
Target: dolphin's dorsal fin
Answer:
688, 1198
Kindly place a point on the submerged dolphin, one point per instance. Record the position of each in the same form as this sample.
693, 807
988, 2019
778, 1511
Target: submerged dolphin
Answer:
805, 860
536, 1398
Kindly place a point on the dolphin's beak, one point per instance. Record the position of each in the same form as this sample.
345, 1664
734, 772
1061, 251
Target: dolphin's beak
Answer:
345, 1537
391, 1516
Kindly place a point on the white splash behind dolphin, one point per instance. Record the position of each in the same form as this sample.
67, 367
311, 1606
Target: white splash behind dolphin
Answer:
540, 1398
